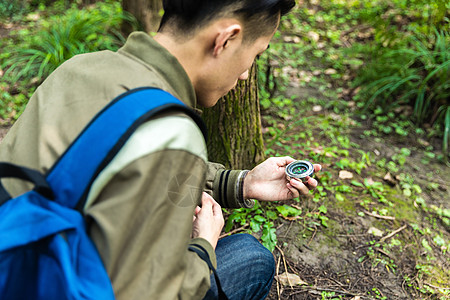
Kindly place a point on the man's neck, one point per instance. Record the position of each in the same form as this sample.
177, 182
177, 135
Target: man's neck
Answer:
188, 53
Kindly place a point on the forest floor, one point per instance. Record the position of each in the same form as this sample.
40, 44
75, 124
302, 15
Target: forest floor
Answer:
354, 256
378, 224
377, 227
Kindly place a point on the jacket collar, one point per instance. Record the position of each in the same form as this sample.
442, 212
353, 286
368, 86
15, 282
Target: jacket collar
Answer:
155, 56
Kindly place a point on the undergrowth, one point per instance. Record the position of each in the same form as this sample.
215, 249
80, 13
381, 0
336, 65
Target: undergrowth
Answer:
45, 39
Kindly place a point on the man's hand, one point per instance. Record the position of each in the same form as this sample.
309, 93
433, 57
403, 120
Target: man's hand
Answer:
267, 181
208, 220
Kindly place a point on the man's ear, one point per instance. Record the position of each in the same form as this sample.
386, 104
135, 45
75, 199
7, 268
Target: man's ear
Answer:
224, 36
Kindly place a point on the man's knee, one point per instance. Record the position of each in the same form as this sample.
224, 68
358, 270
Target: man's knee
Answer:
255, 253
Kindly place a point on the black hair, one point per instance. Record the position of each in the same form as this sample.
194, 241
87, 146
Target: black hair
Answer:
258, 16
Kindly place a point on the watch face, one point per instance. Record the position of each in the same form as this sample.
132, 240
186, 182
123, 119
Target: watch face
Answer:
299, 169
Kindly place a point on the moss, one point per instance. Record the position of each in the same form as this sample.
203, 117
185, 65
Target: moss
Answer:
403, 208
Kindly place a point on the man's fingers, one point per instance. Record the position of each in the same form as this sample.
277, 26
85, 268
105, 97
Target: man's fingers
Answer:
302, 188
207, 199
211, 204
292, 191
311, 183
284, 161
317, 167
197, 210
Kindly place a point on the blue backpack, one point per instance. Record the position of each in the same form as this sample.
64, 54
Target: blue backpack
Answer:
45, 252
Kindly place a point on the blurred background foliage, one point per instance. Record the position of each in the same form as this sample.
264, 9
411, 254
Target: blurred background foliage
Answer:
392, 53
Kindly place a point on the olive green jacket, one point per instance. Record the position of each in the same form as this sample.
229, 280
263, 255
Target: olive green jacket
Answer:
140, 207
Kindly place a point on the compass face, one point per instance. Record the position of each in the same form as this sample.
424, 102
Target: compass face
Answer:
299, 169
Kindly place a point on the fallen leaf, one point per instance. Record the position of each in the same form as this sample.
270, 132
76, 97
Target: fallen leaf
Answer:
321, 45
375, 231
313, 36
370, 181
317, 108
423, 142
290, 279
356, 298
330, 71
318, 150
296, 206
291, 218
33, 17
389, 179
296, 39
335, 117
345, 174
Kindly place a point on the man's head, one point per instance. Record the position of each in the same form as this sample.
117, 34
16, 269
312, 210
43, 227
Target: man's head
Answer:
217, 41
259, 17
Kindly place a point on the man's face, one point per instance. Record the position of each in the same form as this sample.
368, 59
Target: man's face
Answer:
224, 73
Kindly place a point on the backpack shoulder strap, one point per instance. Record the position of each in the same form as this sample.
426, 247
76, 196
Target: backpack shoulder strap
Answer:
72, 175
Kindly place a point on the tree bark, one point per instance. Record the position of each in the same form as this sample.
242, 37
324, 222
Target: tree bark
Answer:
234, 127
146, 12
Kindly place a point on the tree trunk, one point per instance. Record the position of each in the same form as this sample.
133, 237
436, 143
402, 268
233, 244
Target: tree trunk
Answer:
234, 127
146, 12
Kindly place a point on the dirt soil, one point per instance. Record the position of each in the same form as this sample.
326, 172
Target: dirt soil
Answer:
329, 260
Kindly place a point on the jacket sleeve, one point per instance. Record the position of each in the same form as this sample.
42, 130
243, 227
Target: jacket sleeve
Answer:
226, 186
141, 217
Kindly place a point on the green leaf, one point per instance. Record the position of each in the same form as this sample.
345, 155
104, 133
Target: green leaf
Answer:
271, 215
339, 197
288, 211
259, 219
426, 245
323, 220
344, 188
323, 209
269, 237
357, 183
407, 192
255, 226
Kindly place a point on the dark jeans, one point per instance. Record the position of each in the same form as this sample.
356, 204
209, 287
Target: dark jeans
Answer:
245, 268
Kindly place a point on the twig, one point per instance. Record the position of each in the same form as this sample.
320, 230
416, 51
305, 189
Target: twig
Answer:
289, 228
393, 233
436, 287
285, 266
332, 279
314, 234
378, 216
384, 252
233, 231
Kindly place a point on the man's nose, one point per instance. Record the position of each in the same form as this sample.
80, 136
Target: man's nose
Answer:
244, 76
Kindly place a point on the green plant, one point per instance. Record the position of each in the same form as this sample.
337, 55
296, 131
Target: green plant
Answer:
258, 219
416, 75
330, 296
13, 8
58, 38
11, 106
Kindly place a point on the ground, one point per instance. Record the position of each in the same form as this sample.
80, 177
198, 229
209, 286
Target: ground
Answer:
345, 260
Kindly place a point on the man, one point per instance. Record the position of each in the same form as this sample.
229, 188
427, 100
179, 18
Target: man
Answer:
140, 208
